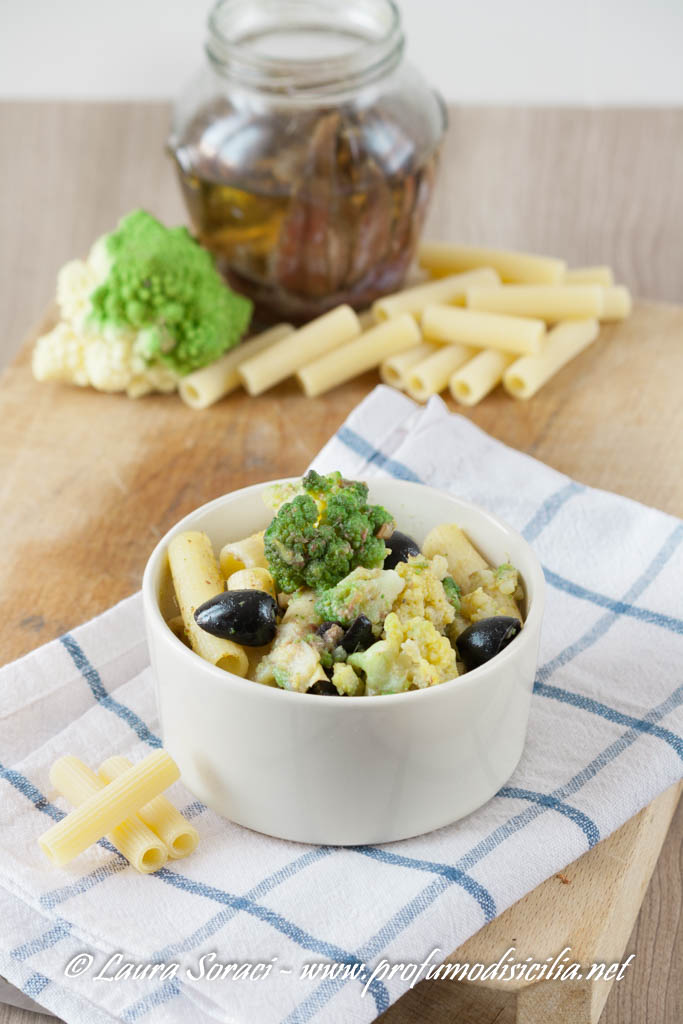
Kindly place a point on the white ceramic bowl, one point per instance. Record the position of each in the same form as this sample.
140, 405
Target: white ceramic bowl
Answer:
348, 770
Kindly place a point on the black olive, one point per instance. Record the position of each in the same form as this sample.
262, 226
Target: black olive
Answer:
324, 688
402, 547
359, 635
483, 640
246, 616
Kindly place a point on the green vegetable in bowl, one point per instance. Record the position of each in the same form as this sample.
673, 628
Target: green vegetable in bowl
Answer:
320, 535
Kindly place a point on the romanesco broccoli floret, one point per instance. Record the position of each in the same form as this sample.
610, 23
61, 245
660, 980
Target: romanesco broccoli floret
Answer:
369, 592
145, 308
424, 595
319, 536
412, 655
164, 284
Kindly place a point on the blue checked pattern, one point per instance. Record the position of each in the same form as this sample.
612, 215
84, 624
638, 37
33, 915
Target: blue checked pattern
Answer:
604, 739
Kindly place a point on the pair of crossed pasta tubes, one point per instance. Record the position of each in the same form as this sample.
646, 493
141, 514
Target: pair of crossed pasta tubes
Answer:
123, 803
524, 318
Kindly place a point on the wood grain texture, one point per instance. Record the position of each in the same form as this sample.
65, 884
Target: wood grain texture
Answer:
89, 482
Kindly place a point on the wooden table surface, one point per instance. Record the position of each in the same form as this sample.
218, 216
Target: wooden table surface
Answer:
589, 185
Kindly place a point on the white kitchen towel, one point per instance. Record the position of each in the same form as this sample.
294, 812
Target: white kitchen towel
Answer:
604, 739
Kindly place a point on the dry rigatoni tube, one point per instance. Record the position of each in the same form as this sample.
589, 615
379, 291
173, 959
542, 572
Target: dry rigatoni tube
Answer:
159, 815
589, 275
547, 302
196, 579
138, 844
447, 258
617, 303
475, 379
369, 350
525, 376
108, 807
281, 360
447, 289
394, 370
206, 386
432, 375
483, 330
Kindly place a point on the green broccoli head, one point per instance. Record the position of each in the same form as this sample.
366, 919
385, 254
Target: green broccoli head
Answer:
163, 284
315, 543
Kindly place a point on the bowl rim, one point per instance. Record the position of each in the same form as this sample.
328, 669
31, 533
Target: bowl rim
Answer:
154, 618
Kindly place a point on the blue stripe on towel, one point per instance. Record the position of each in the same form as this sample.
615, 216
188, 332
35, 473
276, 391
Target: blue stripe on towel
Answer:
587, 826
275, 920
59, 931
374, 456
401, 920
549, 509
36, 984
475, 889
94, 681
617, 607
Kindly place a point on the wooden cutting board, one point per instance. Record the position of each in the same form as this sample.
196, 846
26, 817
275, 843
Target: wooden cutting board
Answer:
90, 482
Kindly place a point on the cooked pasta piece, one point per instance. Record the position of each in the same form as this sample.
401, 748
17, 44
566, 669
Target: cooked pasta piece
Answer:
617, 303
462, 557
252, 579
164, 820
589, 275
394, 370
211, 383
476, 378
248, 553
196, 578
447, 258
285, 357
138, 844
483, 330
547, 302
447, 289
177, 626
369, 350
106, 808
525, 376
432, 375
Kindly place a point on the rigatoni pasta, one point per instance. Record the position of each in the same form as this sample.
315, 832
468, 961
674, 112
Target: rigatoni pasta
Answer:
159, 816
285, 357
617, 303
525, 376
211, 383
131, 837
547, 302
369, 350
248, 553
449, 289
394, 370
103, 810
590, 275
432, 375
483, 330
448, 258
475, 379
462, 556
196, 578
252, 579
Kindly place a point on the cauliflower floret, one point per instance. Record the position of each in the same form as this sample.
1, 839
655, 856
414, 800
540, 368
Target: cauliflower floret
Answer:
60, 355
293, 662
494, 592
346, 680
76, 282
411, 655
423, 595
369, 592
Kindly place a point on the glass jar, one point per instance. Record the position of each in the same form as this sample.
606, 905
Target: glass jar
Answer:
307, 151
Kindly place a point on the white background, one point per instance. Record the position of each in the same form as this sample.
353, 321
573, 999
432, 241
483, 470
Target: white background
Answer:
606, 52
